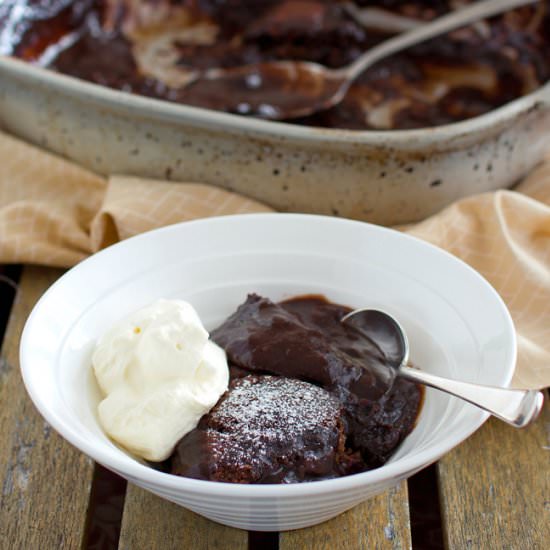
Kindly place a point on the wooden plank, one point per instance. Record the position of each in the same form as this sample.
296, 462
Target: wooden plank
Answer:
379, 523
45, 483
495, 488
154, 523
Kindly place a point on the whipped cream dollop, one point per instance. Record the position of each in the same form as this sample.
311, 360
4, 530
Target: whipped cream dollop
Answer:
159, 373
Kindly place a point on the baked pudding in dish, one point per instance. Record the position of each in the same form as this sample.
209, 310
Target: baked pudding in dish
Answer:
158, 48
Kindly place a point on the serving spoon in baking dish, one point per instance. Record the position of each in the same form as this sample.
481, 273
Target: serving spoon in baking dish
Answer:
516, 407
291, 89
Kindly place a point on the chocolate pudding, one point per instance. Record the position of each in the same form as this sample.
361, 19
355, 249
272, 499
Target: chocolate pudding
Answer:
310, 398
160, 49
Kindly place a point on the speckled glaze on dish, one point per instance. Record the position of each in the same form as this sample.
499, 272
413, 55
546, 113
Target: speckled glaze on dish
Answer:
384, 177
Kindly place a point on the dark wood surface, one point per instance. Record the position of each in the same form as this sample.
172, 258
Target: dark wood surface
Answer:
493, 491
45, 482
495, 488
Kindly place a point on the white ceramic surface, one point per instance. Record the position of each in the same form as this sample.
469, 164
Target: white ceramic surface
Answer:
458, 326
386, 177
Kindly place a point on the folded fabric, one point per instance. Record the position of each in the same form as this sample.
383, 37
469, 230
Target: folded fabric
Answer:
55, 213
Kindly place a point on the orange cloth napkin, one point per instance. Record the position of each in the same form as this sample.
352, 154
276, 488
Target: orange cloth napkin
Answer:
55, 213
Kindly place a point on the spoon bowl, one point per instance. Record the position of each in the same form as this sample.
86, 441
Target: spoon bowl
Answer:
271, 90
291, 89
384, 331
516, 407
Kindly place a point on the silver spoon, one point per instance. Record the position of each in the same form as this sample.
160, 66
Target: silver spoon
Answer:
516, 407
291, 89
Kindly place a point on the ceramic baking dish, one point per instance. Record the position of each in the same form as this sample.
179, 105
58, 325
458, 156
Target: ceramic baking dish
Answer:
385, 177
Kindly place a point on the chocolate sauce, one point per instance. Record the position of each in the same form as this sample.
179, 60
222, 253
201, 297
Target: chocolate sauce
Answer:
301, 339
304, 339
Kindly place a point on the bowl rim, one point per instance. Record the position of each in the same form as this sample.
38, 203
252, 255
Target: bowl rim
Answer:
444, 137
137, 472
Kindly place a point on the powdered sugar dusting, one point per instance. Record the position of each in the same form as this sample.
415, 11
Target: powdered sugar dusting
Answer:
264, 403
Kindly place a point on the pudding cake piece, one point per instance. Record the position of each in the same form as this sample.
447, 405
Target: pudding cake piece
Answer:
269, 429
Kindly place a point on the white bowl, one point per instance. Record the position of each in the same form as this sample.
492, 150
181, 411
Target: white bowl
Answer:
458, 326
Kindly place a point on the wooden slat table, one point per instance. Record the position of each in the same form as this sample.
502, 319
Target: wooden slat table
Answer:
492, 492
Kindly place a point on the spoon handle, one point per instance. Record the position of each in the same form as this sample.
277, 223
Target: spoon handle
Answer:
446, 23
516, 407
